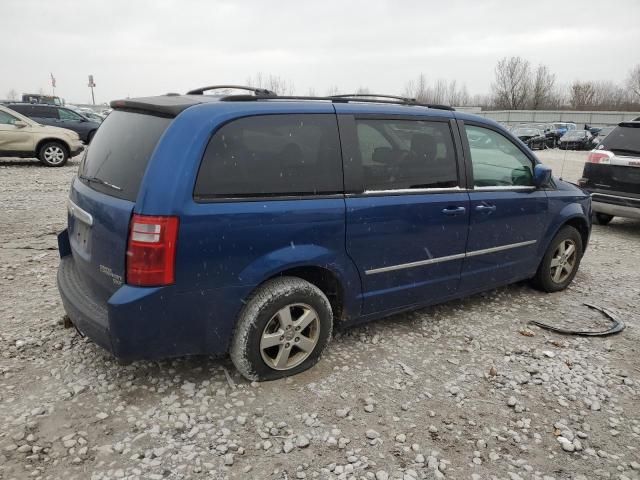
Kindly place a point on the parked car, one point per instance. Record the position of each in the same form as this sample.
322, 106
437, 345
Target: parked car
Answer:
532, 137
42, 99
22, 137
562, 128
612, 174
547, 129
58, 117
576, 140
254, 224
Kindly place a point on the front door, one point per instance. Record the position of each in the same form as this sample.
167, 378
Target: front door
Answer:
508, 215
407, 215
13, 138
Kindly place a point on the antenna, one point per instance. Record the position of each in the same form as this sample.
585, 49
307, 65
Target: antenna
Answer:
564, 160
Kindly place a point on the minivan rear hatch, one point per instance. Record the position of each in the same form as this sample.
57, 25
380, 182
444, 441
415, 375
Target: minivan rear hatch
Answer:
103, 196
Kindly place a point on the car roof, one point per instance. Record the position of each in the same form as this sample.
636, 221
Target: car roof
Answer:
173, 104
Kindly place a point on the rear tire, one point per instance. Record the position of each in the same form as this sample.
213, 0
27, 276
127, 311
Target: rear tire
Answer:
602, 218
53, 154
561, 261
282, 330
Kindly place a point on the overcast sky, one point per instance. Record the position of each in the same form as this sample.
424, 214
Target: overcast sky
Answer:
135, 47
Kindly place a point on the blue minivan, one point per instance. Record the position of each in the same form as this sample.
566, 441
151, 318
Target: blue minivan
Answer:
253, 224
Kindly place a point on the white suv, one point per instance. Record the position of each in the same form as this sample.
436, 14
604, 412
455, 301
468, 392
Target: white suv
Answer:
22, 137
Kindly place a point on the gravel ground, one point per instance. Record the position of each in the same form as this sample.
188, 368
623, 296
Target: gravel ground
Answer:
464, 390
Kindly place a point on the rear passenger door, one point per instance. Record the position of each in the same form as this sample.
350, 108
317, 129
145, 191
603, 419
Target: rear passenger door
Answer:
407, 214
508, 214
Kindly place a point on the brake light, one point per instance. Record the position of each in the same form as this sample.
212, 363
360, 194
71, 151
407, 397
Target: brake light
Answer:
599, 157
151, 250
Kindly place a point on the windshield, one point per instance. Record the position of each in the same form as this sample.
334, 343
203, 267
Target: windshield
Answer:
120, 151
624, 138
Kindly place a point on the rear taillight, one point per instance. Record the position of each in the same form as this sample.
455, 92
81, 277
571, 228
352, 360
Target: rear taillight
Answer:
151, 251
599, 157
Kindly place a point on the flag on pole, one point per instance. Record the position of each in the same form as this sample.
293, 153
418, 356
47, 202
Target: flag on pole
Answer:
53, 80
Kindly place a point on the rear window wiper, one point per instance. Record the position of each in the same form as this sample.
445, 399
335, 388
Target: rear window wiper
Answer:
99, 181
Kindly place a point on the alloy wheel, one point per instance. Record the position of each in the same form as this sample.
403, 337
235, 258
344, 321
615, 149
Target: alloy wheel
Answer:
54, 154
290, 336
563, 261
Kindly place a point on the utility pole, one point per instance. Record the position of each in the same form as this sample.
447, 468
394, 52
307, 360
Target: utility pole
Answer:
53, 84
91, 85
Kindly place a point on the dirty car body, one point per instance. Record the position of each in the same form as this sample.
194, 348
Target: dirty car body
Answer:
234, 182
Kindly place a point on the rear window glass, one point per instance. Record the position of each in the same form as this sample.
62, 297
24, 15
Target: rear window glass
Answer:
623, 139
118, 155
272, 155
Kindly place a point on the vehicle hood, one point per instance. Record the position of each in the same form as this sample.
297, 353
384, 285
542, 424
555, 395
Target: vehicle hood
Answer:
570, 187
526, 137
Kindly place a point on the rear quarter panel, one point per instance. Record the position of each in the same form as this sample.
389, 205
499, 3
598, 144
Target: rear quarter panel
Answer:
226, 248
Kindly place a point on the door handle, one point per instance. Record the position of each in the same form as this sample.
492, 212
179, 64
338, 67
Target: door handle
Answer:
453, 211
485, 208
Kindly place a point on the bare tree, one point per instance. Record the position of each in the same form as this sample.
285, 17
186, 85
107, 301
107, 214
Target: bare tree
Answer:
12, 94
333, 90
417, 89
582, 94
542, 90
363, 90
633, 82
275, 83
512, 83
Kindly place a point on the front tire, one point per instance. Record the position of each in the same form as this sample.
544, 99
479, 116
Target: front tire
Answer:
602, 218
561, 261
53, 154
282, 330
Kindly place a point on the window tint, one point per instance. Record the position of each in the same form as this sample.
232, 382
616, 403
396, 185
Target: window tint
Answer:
42, 112
272, 155
120, 151
497, 162
402, 154
65, 114
624, 138
6, 119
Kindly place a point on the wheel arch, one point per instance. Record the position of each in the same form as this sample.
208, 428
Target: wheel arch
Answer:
325, 279
44, 141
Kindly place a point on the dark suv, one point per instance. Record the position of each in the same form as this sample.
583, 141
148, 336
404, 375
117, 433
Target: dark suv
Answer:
612, 174
57, 116
254, 224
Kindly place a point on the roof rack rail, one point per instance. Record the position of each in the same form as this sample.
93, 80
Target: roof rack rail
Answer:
256, 91
375, 95
386, 99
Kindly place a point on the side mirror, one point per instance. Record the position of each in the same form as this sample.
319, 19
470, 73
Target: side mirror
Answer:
541, 175
20, 124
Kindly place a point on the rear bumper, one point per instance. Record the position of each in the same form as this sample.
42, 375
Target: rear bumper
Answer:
616, 210
149, 323
90, 317
616, 205
76, 149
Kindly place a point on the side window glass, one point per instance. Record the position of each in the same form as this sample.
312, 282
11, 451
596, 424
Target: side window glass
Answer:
42, 112
6, 119
497, 162
405, 154
272, 155
68, 115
